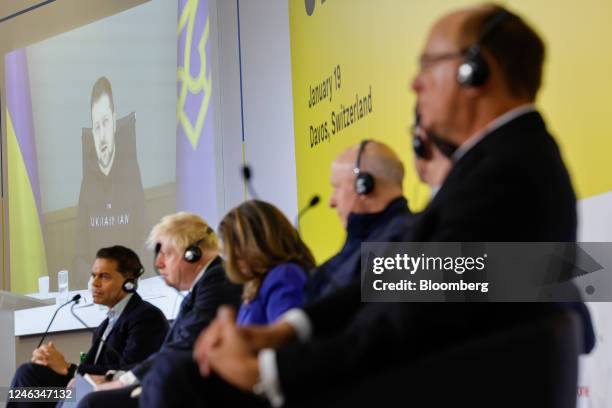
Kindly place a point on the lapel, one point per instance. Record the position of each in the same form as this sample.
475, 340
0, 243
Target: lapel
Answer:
212, 270
188, 301
91, 354
497, 142
134, 301
508, 139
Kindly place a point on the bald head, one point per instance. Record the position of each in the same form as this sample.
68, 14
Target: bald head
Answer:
513, 46
377, 159
384, 166
511, 50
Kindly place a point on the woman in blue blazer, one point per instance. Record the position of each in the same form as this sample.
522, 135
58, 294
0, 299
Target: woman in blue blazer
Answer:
265, 253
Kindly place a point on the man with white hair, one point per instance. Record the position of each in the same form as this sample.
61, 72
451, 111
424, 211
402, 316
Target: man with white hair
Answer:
367, 194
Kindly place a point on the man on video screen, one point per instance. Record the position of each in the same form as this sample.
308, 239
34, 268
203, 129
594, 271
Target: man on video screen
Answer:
111, 207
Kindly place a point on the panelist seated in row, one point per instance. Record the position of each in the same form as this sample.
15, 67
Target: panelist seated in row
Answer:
132, 330
263, 252
367, 194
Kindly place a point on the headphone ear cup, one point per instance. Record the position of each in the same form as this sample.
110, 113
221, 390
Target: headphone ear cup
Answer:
193, 254
130, 285
473, 71
364, 183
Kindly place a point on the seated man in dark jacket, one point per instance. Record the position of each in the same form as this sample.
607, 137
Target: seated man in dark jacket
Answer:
132, 331
367, 194
187, 256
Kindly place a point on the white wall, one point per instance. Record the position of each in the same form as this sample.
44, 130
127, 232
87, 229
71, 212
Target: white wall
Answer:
267, 102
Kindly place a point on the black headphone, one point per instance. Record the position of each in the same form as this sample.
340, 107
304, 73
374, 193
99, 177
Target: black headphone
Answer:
193, 253
422, 147
474, 70
131, 284
364, 181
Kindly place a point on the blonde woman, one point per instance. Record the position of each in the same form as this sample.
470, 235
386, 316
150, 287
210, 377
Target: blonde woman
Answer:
265, 253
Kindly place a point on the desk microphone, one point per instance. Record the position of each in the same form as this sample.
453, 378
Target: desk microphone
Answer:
102, 339
247, 175
314, 201
75, 298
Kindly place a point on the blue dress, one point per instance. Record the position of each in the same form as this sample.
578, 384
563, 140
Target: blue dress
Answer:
281, 290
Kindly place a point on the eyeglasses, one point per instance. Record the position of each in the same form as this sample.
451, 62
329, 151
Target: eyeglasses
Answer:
427, 61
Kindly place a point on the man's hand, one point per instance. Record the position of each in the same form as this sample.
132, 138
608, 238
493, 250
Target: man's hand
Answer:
225, 351
39, 356
110, 385
434, 169
97, 378
270, 336
52, 358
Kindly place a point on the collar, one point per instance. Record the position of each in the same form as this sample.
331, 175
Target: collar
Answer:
361, 225
433, 191
490, 128
115, 311
201, 273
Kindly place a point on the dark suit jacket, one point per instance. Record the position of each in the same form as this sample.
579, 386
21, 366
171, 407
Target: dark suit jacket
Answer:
388, 225
512, 186
139, 331
198, 309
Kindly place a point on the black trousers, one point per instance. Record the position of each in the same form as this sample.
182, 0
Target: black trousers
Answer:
36, 375
175, 381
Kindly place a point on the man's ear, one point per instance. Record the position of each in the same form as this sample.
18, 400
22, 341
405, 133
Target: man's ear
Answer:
363, 197
473, 92
114, 123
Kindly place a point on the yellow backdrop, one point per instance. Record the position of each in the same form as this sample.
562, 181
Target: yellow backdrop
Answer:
352, 51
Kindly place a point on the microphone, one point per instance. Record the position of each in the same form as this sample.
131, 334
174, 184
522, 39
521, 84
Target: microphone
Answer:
422, 147
247, 176
102, 340
446, 148
314, 201
75, 298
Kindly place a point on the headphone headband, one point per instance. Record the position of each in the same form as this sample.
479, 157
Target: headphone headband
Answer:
491, 24
364, 181
474, 70
362, 146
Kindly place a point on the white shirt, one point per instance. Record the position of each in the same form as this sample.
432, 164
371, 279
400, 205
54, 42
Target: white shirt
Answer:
113, 315
269, 384
490, 127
